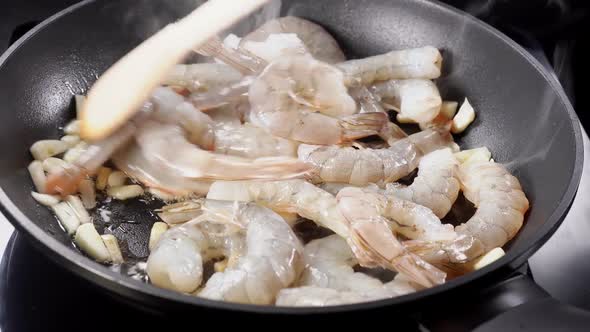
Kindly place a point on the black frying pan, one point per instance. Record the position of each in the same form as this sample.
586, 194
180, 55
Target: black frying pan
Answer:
523, 117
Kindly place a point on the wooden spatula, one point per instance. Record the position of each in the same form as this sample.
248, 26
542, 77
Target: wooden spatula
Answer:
121, 91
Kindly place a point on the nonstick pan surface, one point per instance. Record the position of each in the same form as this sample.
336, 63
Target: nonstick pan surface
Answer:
523, 117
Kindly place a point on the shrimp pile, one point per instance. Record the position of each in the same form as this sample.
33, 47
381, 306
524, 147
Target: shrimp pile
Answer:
280, 130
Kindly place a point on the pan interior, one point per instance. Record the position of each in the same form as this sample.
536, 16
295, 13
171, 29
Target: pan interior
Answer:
521, 116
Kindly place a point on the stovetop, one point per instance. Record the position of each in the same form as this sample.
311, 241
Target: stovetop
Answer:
36, 294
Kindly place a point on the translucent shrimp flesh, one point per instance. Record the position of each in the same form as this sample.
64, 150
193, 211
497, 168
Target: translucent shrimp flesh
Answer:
317, 40
329, 278
304, 100
500, 201
264, 254
437, 184
501, 205
412, 220
136, 165
272, 259
422, 63
368, 102
363, 166
250, 141
372, 240
166, 146
202, 77
374, 243
293, 196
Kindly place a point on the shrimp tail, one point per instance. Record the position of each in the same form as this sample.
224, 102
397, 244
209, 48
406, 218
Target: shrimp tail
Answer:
461, 250
392, 133
241, 60
363, 125
373, 243
418, 270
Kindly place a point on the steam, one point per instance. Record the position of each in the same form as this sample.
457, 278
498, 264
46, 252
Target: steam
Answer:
268, 12
148, 17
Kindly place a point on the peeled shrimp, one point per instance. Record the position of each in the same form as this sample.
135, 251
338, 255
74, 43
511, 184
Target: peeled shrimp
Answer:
264, 253
304, 100
500, 201
372, 240
412, 220
176, 263
272, 259
374, 243
422, 63
416, 99
437, 184
329, 278
363, 166
329, 263
136, 165
317, 40
250, 141
501, 205
294, 196
202, 77
166, 146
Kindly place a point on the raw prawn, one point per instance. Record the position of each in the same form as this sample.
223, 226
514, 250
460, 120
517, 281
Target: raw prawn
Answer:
172, 108
166, 146
317, 40
372, 240
500, 201
374, 243
176, 263
136, 165
422, 62
293, 196
329, 278
264, 253
363, 166
437, 184
202, 77
304, 100
412, 220
501, 205
272, 259
250, 141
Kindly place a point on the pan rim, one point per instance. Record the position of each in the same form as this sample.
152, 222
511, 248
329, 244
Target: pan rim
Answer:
132, 289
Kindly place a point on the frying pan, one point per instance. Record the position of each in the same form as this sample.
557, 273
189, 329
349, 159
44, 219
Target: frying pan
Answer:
524, 118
